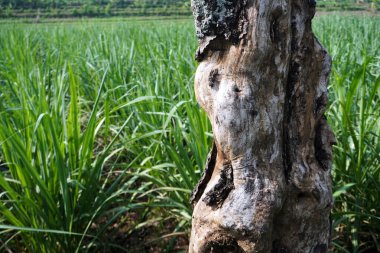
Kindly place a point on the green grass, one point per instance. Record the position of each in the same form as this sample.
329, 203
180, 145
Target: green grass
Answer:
58, 178
354, 115
99, 119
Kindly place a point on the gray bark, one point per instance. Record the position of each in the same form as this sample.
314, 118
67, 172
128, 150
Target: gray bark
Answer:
262, 79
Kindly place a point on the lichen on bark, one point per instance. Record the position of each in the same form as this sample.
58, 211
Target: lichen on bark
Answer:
217, 17
220, 20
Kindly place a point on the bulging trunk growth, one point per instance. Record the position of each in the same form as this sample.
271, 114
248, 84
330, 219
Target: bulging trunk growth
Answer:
262, 79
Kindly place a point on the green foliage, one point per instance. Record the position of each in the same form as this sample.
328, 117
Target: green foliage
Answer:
354, 115
119, 128
147, 102
57, 178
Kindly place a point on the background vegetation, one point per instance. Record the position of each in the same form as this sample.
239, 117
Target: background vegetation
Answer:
105, 8
101, 139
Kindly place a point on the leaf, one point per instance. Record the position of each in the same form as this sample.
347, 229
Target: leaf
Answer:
342, 190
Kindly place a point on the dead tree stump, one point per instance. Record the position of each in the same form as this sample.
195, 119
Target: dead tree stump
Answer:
262, 79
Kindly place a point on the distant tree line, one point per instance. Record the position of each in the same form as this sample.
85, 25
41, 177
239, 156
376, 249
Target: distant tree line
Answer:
35, 4
68, 8
72, 8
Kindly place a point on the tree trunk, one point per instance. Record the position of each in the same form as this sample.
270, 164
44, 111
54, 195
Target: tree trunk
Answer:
262, 79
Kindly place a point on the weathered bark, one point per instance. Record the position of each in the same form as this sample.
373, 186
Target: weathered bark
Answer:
262, 80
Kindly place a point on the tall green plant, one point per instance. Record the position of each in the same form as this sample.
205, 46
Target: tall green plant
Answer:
354, 115
356, 120
56, 186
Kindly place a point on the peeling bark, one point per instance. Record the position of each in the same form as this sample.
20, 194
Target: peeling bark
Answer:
262, 79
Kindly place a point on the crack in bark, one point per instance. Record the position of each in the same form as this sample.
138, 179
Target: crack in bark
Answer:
216, 196
322, 144
299, 50
206, 176
320, 105
293, 76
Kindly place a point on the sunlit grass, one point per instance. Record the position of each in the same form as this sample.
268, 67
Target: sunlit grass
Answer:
354, 115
